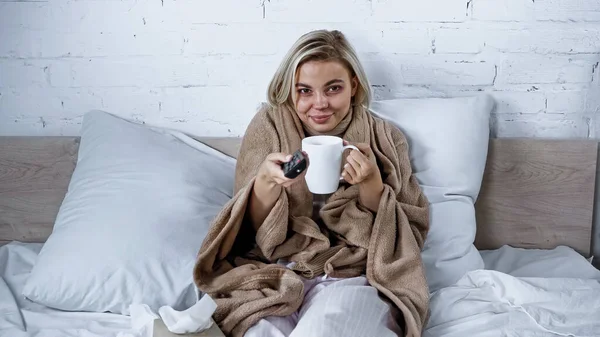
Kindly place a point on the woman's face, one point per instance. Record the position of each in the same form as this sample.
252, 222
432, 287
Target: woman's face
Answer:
324, 92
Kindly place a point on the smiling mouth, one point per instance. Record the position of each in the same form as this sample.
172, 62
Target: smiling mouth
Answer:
320, 119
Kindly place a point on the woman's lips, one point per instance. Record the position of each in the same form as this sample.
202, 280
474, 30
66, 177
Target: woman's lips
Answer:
320, 119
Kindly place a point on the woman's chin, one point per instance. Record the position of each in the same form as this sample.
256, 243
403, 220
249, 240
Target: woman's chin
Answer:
322, 128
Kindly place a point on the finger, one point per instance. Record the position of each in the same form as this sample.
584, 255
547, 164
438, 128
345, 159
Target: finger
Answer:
295, 179
288, 184
354, 162
350, 172
359, 156
279, 157
276, 172
283, 181
347, 177
361, 164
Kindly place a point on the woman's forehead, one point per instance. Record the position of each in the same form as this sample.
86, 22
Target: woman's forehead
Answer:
321, 72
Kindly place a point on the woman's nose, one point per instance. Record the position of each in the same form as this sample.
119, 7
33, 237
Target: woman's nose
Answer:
321, 101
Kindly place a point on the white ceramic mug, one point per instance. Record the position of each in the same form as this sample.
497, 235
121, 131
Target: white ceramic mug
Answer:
325, 157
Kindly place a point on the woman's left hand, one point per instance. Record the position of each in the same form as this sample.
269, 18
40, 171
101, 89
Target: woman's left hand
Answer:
360, 166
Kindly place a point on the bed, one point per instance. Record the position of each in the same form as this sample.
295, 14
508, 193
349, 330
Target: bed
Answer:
535, 232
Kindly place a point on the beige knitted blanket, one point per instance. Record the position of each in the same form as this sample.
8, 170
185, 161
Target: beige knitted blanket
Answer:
237, 266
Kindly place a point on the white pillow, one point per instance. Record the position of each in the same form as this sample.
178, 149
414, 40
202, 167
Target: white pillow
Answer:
130, 227
448, 139
559, 262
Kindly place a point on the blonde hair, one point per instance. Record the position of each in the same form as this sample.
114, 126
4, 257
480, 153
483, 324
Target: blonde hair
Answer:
318, 45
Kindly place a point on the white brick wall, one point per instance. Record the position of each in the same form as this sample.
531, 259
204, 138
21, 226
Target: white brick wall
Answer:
203, 66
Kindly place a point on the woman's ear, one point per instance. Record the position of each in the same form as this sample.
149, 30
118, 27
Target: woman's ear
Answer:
354, 85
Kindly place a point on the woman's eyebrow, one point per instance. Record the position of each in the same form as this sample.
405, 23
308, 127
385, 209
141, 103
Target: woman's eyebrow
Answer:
337, 80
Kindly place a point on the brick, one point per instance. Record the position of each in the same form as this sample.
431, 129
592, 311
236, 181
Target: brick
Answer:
141, 104
568, 10
216, 103
539, 126
271, 38
595, 127
21, 15
405, 40
137, 71
58, 72
545, 39
178, 106
19, 43
48, 103
76, 102
456, 40
248, 70
126, 16
75, 16
91, 16
210, 111
566, 102
27, 44
317, 11
419, 11
504, 10
545, 69
392, 70
519, 102
100, 44
171, 71
23, 73
29, 103
42, 111
250, 39
186, 12
277, 38
592, 100
10, 126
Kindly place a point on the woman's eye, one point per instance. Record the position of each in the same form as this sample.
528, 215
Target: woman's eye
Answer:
304, 91
335, 88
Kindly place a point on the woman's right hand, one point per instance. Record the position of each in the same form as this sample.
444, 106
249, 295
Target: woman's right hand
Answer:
269, 182
271, 174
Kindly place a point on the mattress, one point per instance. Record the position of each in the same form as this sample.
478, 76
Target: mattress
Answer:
520, 293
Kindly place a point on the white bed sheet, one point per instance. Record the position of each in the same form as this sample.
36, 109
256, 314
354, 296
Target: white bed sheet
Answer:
20, 317
530, 293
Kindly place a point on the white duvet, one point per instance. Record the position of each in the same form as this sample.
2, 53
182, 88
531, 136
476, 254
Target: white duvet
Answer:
564, 302
490, 303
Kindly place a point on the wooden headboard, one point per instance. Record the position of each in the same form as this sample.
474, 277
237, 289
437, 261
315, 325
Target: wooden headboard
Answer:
535, 193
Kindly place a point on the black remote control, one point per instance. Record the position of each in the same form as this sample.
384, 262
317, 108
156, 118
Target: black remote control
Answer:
295, 166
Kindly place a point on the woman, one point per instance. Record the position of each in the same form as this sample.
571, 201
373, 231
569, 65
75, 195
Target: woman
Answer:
277, 267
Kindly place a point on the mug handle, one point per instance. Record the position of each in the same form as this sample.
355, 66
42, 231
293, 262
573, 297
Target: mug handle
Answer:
348, 147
